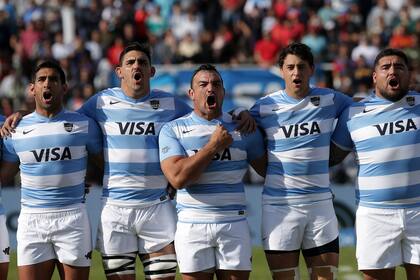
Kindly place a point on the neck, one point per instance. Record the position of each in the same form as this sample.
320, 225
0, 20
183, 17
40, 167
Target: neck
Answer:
208, 116
298, 94
135, 94
48, 113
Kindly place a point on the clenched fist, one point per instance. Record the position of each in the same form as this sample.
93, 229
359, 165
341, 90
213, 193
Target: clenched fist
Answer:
220, 139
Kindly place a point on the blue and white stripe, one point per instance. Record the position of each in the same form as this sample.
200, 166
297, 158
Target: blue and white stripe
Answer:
385, 136
298, 136
218, 195
130, 127
53, 157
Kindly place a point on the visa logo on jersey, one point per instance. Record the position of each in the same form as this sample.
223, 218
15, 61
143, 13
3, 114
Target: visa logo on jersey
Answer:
300, 129
52, 154
396, 127
136, 128
225, 155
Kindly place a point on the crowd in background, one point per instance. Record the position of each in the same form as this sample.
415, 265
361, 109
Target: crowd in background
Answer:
87, 36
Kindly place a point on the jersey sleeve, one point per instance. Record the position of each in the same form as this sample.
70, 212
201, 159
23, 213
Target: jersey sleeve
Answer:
94, 144
169, 144
255, 145
89, 107
342, 102
255, 112
341, 135
8, 151
181, 108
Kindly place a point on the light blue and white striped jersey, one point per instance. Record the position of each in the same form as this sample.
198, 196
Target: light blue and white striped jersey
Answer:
385, 136
298, 136
218, 195
133, 176
53, 157
1, 144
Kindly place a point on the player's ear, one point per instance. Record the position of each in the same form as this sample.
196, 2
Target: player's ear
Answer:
118, 72
191, 94
152, 71
312, 69
32, 89
281, 72
374, 77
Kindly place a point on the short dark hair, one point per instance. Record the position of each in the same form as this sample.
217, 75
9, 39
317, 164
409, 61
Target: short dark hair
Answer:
50, 64
205, 67
136, 46
389, 52
298, 49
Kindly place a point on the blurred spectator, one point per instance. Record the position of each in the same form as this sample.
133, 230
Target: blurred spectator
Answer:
183, 23
114, 51
188, 49
60, 49
366, 50
378, 12
164, 50
266, 51
315, 38
401, 39
155, 22
6, 30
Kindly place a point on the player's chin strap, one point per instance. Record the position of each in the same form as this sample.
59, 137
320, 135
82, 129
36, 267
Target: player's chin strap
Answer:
119, 264
160, 266
290, 273
329, 272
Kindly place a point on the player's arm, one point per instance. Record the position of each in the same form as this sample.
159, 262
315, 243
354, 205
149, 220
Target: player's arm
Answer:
260, 165
337, 154
95, 169
11, 122
8, 172
256, 152
181, 170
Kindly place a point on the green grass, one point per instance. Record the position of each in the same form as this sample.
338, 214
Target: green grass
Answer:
347, 268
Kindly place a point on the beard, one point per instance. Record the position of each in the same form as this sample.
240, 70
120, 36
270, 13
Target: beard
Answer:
395, 95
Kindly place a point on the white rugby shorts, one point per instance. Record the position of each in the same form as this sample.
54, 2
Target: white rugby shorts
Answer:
127, 229
295, 227
4, 240
63, 234
387, 238
225, 246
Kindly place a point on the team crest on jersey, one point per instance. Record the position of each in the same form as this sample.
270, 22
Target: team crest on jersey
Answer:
155, 104
411, 101
315, 100
68, 127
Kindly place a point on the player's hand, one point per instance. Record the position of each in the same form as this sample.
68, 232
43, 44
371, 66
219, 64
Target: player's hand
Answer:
245, 122
10, 124
220, 139
171, 191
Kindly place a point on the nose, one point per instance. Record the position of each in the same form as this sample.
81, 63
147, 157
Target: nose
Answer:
392, 69
136, 64
47, 82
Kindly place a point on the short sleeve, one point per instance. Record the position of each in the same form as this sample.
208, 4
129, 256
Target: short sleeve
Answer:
94, 144
89, 107
181, 108
341, 135
8, 151
255, 145
169, 144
